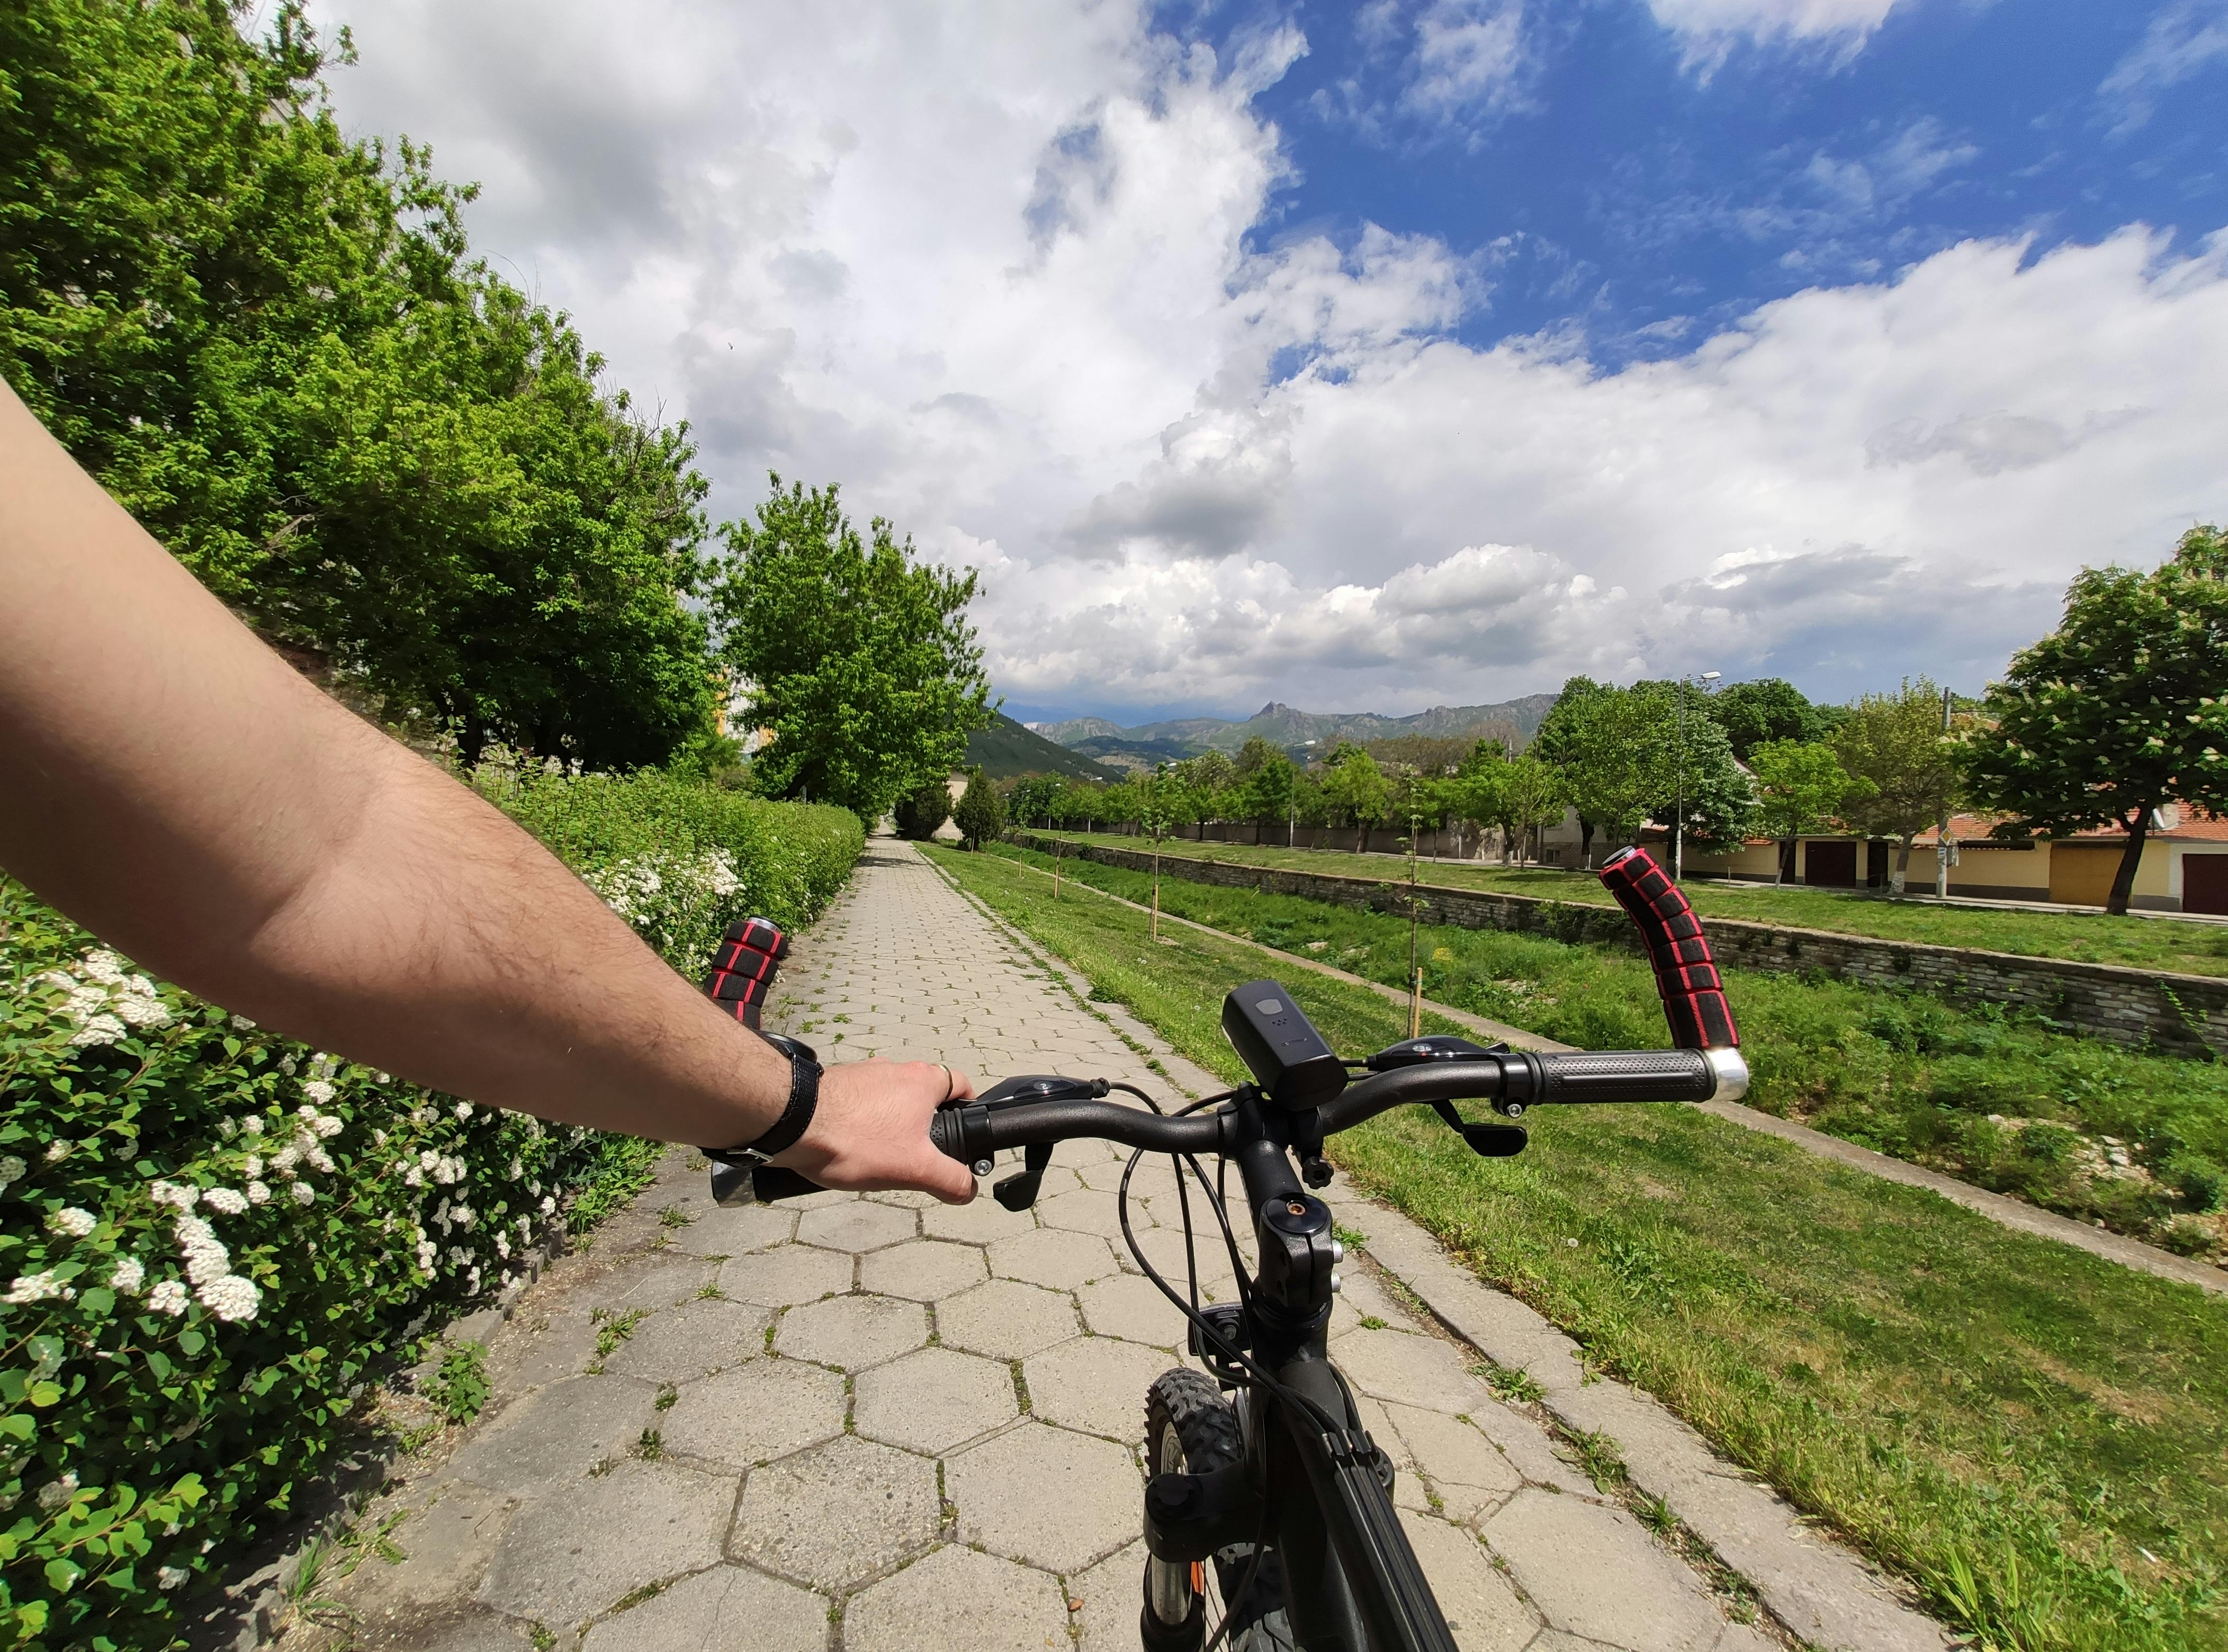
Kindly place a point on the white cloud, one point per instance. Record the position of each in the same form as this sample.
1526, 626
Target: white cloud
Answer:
2183, 40
1013, 278
1709, 30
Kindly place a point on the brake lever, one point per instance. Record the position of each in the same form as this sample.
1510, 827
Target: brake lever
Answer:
1019, 1191
1487, 1141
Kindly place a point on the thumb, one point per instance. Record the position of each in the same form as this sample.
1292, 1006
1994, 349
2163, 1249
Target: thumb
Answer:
948, 1179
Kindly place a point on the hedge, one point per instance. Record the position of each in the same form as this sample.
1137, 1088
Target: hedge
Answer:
216, 1241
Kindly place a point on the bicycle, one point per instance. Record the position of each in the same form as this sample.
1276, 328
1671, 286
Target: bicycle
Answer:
1279, 1485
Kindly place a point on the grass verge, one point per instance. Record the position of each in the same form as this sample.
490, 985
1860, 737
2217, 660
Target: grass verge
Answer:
2037, 1439
2135, 1141
2084, 938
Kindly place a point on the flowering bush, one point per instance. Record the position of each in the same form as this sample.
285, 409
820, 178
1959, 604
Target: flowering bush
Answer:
680, 861
212, 1239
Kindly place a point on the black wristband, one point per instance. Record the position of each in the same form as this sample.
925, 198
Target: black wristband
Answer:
795, 1118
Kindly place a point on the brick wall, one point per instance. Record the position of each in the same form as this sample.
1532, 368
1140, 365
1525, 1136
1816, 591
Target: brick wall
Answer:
2132, 1007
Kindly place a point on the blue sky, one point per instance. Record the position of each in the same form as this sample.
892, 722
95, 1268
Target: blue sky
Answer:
1622, 188
1418, 352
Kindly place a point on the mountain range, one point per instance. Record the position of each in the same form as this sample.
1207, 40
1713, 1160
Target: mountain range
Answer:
1282, 725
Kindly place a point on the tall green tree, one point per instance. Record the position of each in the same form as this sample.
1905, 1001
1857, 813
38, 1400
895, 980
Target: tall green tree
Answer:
1531, 796
857, 658
2121, 710
1622, 761
1029, 801
981, 815
1264, 779
1894, 744
269, 342
1767, 709
1354, 784
1799, 785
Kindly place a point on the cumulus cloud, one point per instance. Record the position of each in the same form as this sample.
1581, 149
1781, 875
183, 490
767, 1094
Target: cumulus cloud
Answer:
1018, 281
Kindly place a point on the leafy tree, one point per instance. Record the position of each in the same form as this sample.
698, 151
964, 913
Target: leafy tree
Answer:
1263, 777
981, 815
1769, 710
1554, 742
1623, 755
1029, 800
1800, 784
1893, 744
266, 339
923, 809
1354, 784
1712, 800
860, 661
2121, 710
1531, 796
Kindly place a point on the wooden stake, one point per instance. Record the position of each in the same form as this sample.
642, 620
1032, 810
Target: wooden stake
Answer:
1416, 1007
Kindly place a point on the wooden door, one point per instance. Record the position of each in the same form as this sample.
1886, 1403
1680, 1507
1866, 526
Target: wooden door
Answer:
1830, 866
2081, 873
2204, 883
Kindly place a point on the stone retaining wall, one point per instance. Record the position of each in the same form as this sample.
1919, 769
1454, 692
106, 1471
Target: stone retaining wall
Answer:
2183, 1013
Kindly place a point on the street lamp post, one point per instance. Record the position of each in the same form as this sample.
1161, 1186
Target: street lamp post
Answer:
1679, 824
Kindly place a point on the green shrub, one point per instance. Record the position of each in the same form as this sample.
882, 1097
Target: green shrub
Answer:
459, 1388
214, 1240
2199, 1179
982, 812
920, 814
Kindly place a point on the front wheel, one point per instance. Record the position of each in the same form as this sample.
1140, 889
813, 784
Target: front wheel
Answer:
1190, 1427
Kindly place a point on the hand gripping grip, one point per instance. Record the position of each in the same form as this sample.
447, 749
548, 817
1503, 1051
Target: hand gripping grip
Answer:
1685, 974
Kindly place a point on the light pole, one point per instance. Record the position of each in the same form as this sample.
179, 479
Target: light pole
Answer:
1678, 824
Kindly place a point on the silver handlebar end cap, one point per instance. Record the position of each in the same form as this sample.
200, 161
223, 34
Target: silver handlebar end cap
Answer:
1731, 1073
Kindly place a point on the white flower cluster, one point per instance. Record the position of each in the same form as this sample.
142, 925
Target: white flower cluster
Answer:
11, 1169
667, 898
71, 1222
106, 998
227, 1295
38, 1287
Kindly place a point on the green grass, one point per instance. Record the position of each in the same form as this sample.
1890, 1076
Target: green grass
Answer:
1992, 1098
2012, 1425
2085, 937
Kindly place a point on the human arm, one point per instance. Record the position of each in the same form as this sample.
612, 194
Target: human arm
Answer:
174, 786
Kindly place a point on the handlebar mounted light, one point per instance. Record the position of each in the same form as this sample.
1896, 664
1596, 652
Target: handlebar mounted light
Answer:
1289, 1059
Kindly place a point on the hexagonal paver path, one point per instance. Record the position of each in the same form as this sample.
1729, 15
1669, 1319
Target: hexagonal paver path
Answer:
879, 1424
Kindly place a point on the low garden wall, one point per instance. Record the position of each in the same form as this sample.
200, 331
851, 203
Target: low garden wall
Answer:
2183, 1013
215, 1241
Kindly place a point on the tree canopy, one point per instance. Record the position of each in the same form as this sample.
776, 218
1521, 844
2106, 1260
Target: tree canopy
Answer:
1894, 746
269, 342
1767, 709
2122, 709
857, 658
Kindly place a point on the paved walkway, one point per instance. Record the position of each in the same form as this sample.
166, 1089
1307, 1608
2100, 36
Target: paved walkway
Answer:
879, 1424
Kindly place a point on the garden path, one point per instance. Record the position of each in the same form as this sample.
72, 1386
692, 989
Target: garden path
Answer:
858, 1424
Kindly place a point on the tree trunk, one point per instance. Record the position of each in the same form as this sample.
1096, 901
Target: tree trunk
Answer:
2124, 881
1586, 839
1901, 876
1786, 863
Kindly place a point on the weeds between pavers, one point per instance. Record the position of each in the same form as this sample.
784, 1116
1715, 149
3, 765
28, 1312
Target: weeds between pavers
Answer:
2036, 1438
2136, 1141
2085, 937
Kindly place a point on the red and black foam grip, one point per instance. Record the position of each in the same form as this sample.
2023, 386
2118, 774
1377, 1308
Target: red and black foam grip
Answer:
1685, 974
744, 967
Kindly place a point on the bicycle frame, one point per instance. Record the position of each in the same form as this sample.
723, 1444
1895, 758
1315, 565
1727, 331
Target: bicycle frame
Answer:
1321, 1495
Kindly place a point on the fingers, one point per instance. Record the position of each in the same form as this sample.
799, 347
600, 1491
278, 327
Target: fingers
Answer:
948, 1179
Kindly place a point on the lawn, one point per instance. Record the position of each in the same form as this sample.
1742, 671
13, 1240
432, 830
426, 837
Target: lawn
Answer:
2085, 937
2037, 1439
1995, 1098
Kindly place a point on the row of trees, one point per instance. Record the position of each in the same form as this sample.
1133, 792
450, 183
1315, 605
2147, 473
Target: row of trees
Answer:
2120, 711
272, 343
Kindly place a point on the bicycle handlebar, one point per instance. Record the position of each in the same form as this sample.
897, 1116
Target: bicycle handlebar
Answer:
973, 1130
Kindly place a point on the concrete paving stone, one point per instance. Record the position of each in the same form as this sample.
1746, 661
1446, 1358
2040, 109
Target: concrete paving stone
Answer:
1745, 1637
1085, 1212
535, 1349
956, 1598
1410, 1490
1109, 1592
978, 1223
904, 1197
1048, 1256
754, 1413
464, 1629
555, 1435
1006, 1319
923, 1270
1130, 1305
1360, 1297
935, 1399
858, 1225
1485, 1612
1096, 1384
1046, 1496
1164, 1249
1405, 1369
446, 1548
786, 1276
1468, 1471
852, 1332
838, 1513
1529, 1448
567, 1559
694, 1339
737, 1230
664, 1283
727, 1609
1627, 1592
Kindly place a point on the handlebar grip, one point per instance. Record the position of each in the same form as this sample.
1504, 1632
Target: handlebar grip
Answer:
947, 1136
1685, 973
1631, 1075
